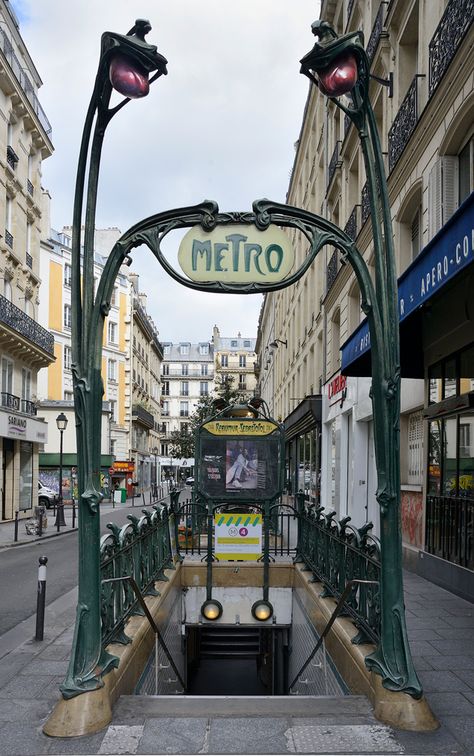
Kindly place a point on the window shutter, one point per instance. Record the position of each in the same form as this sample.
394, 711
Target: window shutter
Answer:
415, 449
442, 192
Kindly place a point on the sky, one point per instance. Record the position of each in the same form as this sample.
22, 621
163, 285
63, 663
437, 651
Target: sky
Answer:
222, 125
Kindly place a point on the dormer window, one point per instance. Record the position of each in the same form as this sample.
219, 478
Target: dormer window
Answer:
184, 349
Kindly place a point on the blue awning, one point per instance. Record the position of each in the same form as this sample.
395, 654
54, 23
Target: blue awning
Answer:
446, 255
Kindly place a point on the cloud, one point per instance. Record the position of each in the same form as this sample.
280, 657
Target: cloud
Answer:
222, 125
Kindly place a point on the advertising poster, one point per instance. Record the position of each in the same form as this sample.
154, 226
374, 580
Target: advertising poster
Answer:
241, 464
238, 536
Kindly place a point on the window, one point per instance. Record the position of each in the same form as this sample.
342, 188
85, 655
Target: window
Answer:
246, 343
466, 170
112, 332
415, 449
26, 475
25, 384
165, 388
67, 274
164, 450
203, 388
7, 376
29, 308
67, 316
242, 384
114, 298
165, 369
7, 289
184, 348
166, 348
112, 370
184, 369
68, 396
165, 409
113, 411
184, 388
234, 343
184, 409
184, 427
242, 360
67, 357
203, 348
204, 369
224, 360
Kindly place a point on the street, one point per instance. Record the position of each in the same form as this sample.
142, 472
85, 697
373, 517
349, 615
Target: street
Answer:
19, 570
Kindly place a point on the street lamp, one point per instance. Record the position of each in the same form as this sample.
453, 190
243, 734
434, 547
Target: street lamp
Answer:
61, 424
128, 64
274, 344
340, 66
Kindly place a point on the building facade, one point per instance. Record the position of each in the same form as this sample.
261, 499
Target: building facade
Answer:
235, 358
25, 346
423, 101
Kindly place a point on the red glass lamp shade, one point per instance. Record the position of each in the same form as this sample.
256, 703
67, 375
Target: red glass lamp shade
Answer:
128, 78
340, 77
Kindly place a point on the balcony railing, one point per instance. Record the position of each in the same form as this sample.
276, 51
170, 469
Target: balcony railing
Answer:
29, 187
15, 318
376, 32
333, 268
450, 32
12, 402
142, 415
450, 528
23, 80
334, 162
404, 124
9, 238
351, 227
29, 261
12, 157
365, 203
192, 373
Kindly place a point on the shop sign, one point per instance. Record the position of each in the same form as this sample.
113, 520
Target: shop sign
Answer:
24, 428
238, 536
236, 253
121, 468
239, 427
336, 387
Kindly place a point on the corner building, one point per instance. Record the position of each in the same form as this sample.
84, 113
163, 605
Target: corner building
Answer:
423, 99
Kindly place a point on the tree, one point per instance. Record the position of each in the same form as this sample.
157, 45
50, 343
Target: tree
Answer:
182, 441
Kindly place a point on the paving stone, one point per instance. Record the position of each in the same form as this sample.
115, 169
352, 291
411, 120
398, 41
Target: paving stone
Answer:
453, 647
429, 611
88, 744
10, 665
442, 742
456, 633
248, 735
25, 687
463, 729
422, 648
422, 663
170, 735
467, 676
121, 739
466, 620
450, 703
47, 667
424, 634
451, 662
321, 739
56, 652
26, 740
23, 710
416, 622
441, 681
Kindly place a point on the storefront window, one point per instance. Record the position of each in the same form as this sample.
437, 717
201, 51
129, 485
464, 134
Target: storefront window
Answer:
26, 475
466, 371
451, 456
434, 458
435, 383
449, 383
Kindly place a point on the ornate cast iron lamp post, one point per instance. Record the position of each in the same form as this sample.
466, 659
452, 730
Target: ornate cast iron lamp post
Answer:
126, 63
61, 424
340, 66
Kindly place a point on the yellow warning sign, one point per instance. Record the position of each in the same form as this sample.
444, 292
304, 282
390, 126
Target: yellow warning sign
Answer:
238, 536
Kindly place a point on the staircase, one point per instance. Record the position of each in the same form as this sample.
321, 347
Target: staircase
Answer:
229, 643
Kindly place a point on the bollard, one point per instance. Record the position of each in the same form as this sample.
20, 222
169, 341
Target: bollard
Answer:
41, 598
73, 514
15, 537
40, 523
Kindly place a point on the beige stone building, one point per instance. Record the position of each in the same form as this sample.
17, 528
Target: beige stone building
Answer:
25, 345
235, 357
319, 384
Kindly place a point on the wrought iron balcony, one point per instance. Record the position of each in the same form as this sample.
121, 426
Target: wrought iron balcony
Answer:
8, 238
19, 321
14, 403
192, 373
141, 415
335, 162
404, 124
376, 32
365, 203
450, 32
29, 261
29, 187
27, 407
351, 227
333, 268
12, 157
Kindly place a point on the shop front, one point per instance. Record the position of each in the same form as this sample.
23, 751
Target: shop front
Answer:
49, 472
303, 449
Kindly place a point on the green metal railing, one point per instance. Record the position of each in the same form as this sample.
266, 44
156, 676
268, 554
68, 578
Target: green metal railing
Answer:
140, 549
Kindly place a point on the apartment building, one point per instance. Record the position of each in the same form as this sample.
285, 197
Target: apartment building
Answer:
25, 345
235, 357
423, 100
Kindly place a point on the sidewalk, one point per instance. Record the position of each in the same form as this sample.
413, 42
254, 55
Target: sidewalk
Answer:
441, 633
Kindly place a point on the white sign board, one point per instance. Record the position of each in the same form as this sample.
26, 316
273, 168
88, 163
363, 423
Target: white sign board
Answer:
238, 536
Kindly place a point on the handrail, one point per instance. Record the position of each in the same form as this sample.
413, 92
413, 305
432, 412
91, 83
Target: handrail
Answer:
332, 619
152, 622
